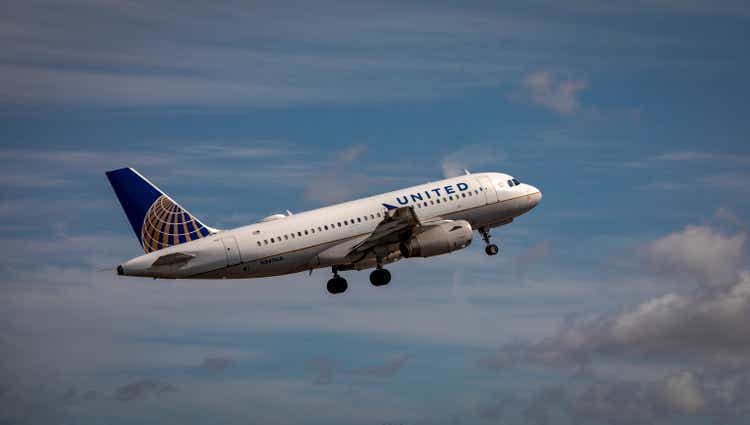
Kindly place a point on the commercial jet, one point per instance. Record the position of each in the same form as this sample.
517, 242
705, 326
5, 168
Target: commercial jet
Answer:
420, 221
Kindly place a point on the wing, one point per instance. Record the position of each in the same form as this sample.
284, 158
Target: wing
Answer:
398, 224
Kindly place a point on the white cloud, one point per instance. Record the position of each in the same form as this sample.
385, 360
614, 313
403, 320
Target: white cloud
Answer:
559, 95
699, 252
474, 158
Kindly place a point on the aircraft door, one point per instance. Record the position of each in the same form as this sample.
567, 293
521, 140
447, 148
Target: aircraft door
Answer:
489, 189
232, 250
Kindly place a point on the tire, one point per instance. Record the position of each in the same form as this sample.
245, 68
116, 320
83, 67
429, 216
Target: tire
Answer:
337, 285
491, 249
380, 277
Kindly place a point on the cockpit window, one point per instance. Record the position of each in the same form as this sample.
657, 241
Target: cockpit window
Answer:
516, 181
510, 183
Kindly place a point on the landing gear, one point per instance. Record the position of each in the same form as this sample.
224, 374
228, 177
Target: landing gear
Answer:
337, 284
380, 277
491, 248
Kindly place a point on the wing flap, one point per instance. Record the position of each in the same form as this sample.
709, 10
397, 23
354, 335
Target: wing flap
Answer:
397, 223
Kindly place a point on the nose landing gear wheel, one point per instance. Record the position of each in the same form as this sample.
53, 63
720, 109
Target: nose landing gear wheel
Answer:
491, 248
337, 285
380, 277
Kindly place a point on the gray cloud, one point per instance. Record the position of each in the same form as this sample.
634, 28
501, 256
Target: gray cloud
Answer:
674, 398
699, 252
326, 368
141, 389
706, 327
217, 364
387, 369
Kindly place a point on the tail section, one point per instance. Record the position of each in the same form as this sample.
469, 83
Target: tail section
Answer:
158, 221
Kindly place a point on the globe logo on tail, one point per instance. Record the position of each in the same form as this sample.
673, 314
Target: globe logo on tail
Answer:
166, 224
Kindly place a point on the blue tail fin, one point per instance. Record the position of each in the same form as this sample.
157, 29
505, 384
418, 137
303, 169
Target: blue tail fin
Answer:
157, 220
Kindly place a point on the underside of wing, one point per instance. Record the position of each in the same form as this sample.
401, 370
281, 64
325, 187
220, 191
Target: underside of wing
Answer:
398, 224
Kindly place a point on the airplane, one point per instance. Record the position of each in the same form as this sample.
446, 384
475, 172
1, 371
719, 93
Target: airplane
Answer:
420, 221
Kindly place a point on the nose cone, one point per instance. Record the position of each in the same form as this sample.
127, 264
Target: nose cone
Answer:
535, 196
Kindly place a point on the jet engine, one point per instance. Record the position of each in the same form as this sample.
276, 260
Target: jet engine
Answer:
438, 239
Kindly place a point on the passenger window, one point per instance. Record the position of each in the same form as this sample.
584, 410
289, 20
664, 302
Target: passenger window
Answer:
463, 195
359, 219
325, 227
259, 243
286, 237
305, 231
438, 201
378, 214
312, 230
265, 241
346, 223
339, 223
320, 229
299, 234
292, 235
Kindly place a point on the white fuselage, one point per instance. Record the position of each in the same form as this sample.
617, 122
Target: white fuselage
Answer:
322, 237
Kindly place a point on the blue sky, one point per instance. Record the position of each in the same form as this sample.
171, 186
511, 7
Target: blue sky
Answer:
622, 298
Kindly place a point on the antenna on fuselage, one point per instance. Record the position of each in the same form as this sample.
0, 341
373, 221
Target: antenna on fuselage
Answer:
288, 212
466, 171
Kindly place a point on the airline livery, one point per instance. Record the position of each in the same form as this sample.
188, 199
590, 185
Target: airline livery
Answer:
420, 221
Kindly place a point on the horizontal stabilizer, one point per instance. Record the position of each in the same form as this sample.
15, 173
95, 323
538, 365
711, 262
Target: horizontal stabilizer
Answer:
172, 259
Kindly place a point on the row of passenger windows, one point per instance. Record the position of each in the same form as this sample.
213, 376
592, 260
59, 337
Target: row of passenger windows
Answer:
324, 228
448, 198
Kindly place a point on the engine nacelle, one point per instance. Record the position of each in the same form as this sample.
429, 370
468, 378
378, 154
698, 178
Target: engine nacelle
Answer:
438, 239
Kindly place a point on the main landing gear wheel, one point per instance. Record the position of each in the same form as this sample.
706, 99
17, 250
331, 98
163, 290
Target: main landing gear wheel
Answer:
380, 277
337, 284
491, 248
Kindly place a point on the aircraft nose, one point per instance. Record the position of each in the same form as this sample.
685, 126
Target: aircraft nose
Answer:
535, 196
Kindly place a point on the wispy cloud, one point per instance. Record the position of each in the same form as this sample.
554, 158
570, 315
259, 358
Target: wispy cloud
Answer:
559, 95
480, 158
689, 156
141, 389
